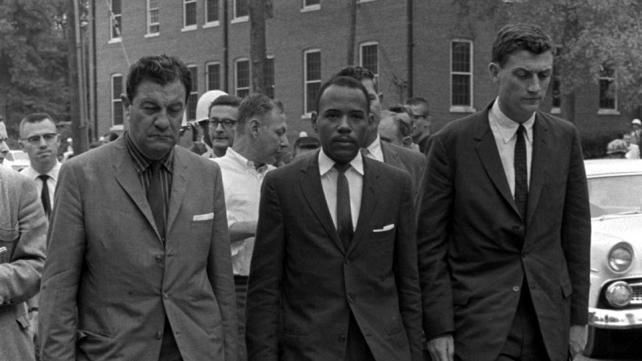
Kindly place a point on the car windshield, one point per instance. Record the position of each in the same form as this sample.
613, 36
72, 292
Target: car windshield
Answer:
615, 195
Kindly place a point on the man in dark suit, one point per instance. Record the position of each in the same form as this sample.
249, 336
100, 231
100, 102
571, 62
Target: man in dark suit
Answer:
412, 162
138, 262
504, 227
334, 273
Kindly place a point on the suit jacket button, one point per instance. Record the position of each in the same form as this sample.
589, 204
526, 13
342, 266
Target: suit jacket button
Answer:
159, 335
159, 258
515, 288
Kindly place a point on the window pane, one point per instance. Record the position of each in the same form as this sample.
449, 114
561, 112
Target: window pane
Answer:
213, 76
190, 13
313, 66
212, 10
311, 2
312, 92
242, 93
461, 56
117, 111
607, 97
115, 7
243, 74
369, 58
117, 86
193, 72
460, 89
241, 8
269, 77
116, 27
191, 106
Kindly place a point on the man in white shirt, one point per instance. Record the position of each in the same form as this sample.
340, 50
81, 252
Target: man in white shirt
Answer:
4, 149
260, 134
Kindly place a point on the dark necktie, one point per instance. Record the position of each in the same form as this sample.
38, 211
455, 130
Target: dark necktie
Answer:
344, 215
44, 194
156, 198
521, 172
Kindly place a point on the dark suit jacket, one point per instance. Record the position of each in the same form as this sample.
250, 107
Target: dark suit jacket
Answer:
412, 162
475, 251
302, 276
107, 259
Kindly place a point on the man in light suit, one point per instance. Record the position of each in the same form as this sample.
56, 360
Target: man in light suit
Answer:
23, 230
504, 225
139, 266
334, 270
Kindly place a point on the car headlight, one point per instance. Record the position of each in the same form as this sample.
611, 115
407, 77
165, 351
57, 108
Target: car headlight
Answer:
618, 294
620, 257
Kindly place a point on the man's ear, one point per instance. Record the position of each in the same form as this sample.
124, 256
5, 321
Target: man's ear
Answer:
254, 125
493, 71
371, 118
125, 100
313, 121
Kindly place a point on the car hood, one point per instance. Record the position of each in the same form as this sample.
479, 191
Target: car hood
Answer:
609, 230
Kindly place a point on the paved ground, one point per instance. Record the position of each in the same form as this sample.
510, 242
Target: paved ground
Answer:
584, 358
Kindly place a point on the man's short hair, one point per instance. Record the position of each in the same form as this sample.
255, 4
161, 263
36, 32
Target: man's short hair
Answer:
226, 100
516, 37
360, 73
254, 105
161, 69
348, 82
306, 143
35, 118
418, 101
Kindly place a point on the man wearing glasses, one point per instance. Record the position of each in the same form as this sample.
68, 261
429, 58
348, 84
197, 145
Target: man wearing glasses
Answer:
260, 135
223, 115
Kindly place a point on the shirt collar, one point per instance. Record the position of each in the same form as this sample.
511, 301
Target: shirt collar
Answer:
375, 149
53, 172
326, 163
508, 127
244, 162
141, 162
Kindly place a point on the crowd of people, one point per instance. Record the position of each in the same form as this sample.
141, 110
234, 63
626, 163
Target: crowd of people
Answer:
372, 239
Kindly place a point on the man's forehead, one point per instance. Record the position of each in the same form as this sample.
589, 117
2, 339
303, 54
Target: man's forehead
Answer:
151, 90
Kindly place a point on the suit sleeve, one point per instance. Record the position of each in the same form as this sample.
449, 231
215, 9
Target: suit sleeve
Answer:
406, 274
65, 258
25, 255
576, 234
264, 290
433, 229
220, 271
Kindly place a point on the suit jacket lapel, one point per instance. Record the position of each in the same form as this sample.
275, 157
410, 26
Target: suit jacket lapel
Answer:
128, 179
368, 203
541, 153
312, 190
489, 157
179, 187
390, 157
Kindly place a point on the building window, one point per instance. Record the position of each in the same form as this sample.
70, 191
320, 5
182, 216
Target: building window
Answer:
368, 56
241, 10
153, 25
309, 5
556, 92
608, 91
189, 13
193, 94
213, 76
461, 75
116, 101
211, 11
269, 76
312, 78
242, 72
115, 19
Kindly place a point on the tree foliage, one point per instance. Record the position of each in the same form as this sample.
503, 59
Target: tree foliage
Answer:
33, 60
592, 36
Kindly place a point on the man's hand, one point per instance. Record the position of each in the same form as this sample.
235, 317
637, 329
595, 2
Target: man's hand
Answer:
576, 340
442, 348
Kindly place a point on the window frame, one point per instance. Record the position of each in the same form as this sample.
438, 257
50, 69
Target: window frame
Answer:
113, 18
306, 101
208, 23
610, 78
192, 93
150, 33
208, 72
361, 47
116, 99
462, 108
189, 27
242, 18
312, 7
270, 91
236, 77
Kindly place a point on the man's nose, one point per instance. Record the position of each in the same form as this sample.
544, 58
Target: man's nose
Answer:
534, 84
344, 125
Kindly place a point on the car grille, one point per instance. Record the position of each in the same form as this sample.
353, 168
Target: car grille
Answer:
637, 293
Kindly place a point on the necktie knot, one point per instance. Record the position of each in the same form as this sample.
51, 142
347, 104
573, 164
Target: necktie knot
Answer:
341, 167
43, 177
520, 130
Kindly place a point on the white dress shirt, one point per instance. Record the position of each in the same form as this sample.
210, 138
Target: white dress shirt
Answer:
354, 174
504, 130
51, 182
373, 151
242, 186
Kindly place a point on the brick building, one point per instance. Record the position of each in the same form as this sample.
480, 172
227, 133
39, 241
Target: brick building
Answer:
307, 42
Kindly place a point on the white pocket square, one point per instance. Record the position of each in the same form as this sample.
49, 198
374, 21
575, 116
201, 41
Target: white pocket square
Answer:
203, 217
384, 228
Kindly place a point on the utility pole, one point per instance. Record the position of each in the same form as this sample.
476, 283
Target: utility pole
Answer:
257, 45
352, 31
76, 82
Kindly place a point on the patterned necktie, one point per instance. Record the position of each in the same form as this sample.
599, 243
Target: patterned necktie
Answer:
521, 172
156, 198
344, 215
44, 194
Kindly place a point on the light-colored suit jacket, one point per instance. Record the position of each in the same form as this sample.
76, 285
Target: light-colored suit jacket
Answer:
304, 277
476, 252
23, 229
110, 282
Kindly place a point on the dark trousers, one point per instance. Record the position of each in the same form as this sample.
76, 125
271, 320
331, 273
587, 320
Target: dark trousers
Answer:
169, 348
524, 342
356, 346
240, 285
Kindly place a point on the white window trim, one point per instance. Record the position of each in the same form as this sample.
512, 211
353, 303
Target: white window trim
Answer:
306, 114
112, 16
369, 43
364, 1
236, 72
210, 24
469, 107
115, 98
194, 85
608, 111
240, 19
192, 26
207, 73
274, 75
148, 33
305, 8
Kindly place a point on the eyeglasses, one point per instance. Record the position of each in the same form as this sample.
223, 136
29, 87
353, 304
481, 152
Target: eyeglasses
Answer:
225, 122
48, 137
185, 128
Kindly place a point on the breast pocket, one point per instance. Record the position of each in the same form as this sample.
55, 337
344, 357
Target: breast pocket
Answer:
8, 237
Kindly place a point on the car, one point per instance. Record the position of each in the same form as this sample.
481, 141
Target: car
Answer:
17, 159
615, 297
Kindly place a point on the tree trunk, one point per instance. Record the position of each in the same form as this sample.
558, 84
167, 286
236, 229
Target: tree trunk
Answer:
568, 107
